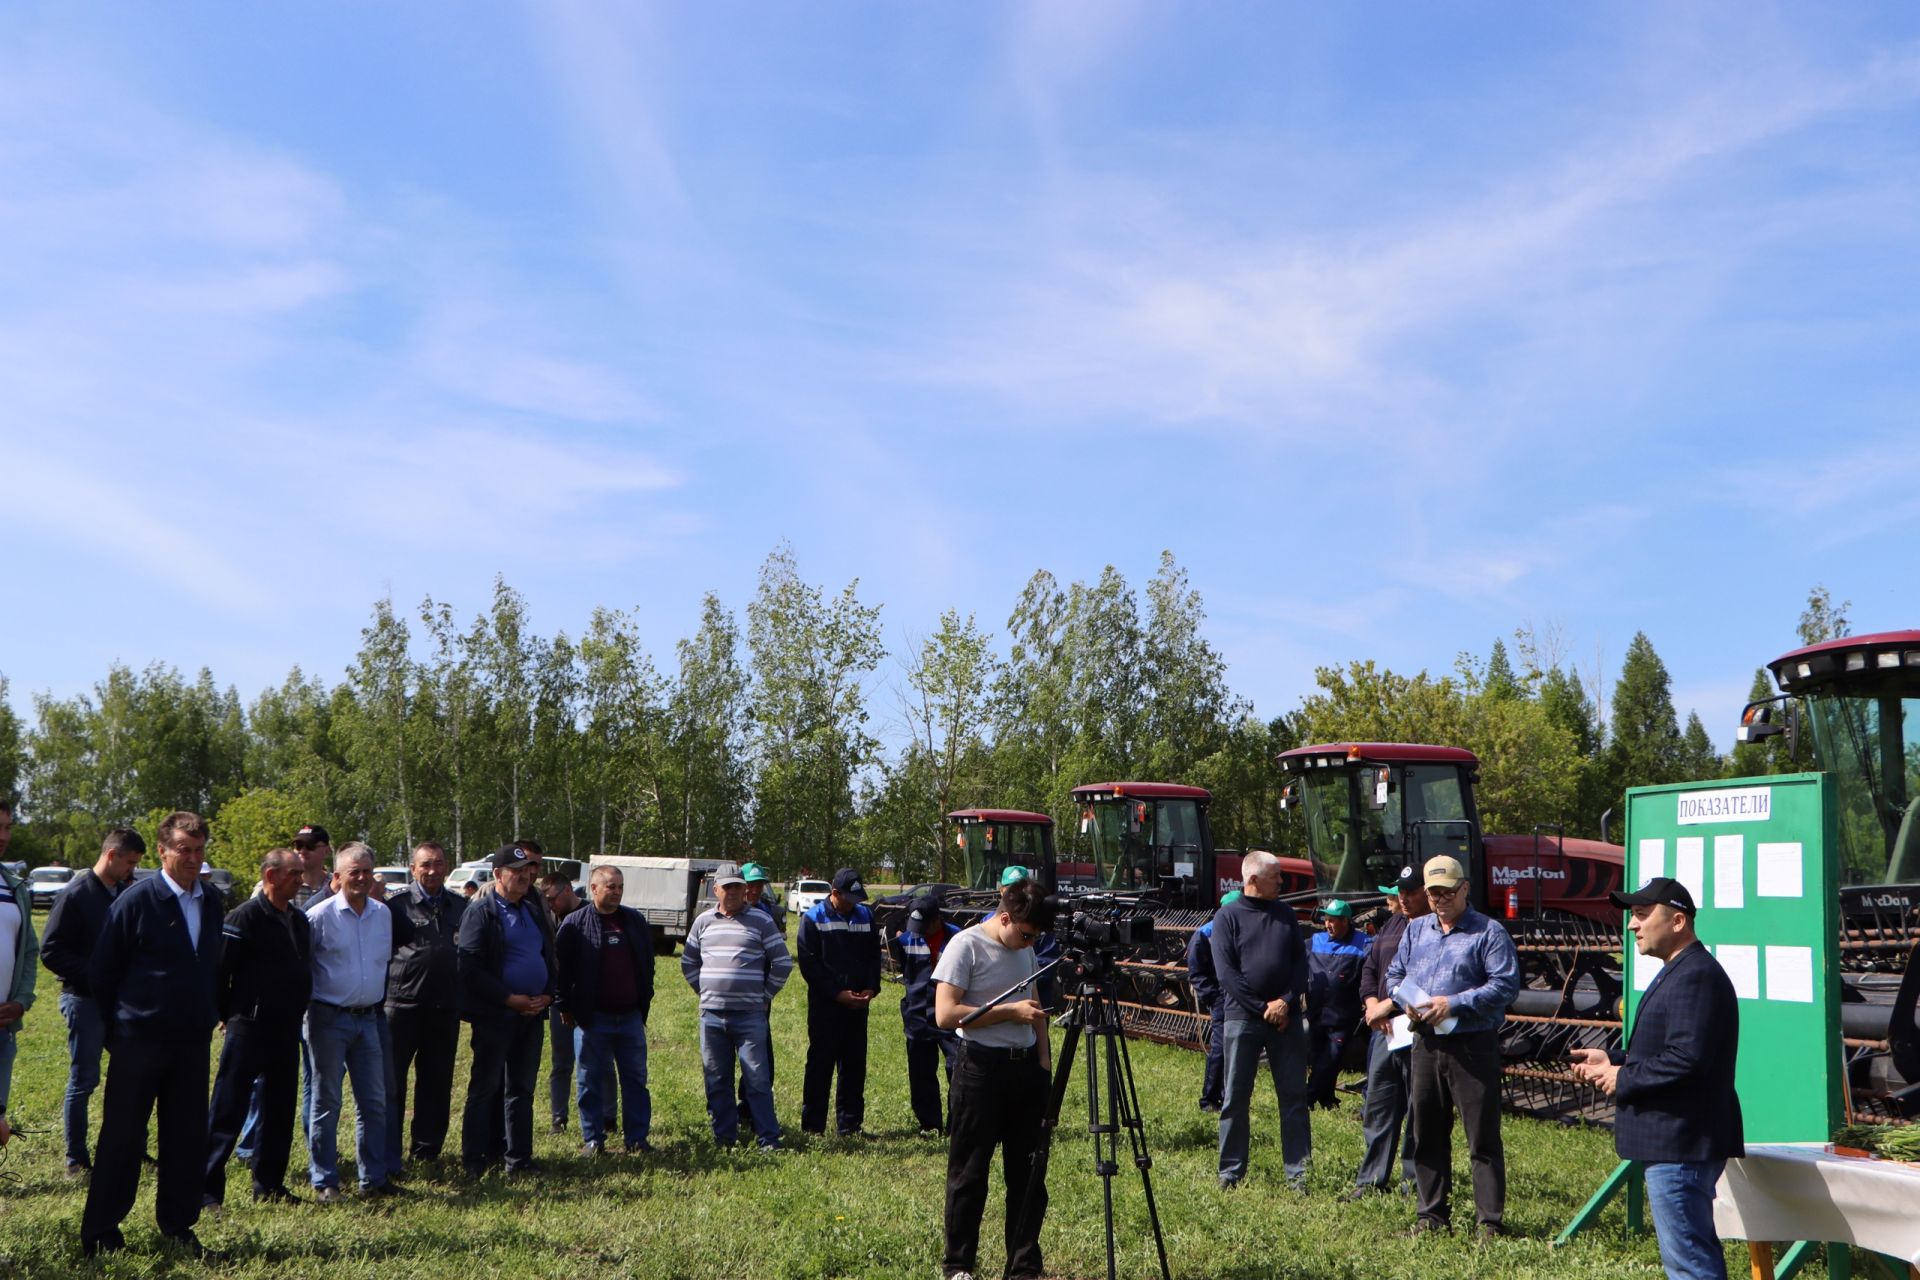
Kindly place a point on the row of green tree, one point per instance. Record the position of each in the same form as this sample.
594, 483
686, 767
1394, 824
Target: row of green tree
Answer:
768, 741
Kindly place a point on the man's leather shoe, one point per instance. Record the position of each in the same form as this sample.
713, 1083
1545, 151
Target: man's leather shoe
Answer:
274, 1195
190, 1243
112, 1242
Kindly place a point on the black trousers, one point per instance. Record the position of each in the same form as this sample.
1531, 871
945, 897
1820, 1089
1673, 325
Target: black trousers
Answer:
1457, 1072
424, 1041
923, 1077
560, 1066
836, 1041
995, 1102
498, 1121
143, 1076
269, 1053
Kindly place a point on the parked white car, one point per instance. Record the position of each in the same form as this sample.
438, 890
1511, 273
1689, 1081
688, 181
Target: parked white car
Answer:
802, 894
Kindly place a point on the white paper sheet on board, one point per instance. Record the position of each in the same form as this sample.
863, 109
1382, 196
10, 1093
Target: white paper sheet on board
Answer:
1729, 872
1689, 865
1742, 964
1790, 974
1776, 870
1653, 861
1402, 1037
1644, 970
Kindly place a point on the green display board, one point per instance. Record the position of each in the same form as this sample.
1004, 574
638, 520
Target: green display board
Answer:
1758, 855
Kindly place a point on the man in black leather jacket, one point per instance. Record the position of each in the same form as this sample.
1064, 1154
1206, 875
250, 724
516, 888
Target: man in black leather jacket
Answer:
423, 1006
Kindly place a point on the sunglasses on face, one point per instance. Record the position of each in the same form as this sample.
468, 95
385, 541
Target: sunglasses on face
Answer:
1436, 891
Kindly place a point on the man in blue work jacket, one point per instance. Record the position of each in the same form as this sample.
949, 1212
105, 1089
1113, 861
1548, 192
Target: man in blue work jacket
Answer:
839, 952
1334, 959
1206, 994
916, 949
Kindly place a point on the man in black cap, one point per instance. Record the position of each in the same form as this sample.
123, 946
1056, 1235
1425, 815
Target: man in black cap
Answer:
507, 981
1675, 1108
839, 953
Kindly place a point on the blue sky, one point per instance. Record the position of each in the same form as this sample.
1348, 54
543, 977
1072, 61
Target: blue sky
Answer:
1401, 327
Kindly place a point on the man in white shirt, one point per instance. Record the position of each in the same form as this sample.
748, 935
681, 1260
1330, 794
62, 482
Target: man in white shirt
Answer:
1001, 1081
352, 943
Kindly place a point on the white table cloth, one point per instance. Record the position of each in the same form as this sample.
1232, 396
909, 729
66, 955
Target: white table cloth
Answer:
1782, 1192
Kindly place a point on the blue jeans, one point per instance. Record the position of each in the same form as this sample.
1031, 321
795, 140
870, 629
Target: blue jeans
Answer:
1680, 1197
86, 1037
725, 1035
1287, 1059
616, 1046
347, 1043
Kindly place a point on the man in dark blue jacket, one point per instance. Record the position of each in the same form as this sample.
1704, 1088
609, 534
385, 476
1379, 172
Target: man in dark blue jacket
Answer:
505, 954
74, 926
838, 948
604, 953
1206, 994
153, 976
916, 949
1675, 1105
1260, 958
1334, 960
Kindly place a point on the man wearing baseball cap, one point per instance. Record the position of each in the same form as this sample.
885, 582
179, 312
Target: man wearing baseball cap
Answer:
839, 953
1388, 1069
1334, 958
507, 981
1675, 1108
1465, 965
737, 962
760, 895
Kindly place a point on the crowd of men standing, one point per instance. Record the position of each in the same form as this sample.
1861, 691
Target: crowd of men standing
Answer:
320, 983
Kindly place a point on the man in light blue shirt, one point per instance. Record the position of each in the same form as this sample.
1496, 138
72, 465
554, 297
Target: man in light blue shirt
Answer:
352, 943
1467, 973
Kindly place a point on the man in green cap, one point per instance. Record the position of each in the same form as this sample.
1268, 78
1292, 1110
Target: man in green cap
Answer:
1333, 998
760, 894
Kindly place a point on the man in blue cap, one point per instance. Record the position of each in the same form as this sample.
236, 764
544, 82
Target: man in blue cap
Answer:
1334, 958
838, 948
1206, 994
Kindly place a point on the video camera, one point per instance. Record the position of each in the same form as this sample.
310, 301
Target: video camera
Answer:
1102, 923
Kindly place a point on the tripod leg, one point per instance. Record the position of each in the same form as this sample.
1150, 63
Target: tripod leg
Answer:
1129, 1100
1037, 1174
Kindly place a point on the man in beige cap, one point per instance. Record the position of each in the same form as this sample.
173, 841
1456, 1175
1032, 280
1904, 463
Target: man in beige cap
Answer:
1455, 974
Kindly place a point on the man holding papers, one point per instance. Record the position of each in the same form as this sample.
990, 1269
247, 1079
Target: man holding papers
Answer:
1455, 974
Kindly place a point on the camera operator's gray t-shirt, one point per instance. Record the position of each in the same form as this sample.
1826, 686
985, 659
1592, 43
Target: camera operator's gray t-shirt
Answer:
982, 969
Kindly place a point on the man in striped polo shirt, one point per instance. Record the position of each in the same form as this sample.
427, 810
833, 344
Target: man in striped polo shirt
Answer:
737, 961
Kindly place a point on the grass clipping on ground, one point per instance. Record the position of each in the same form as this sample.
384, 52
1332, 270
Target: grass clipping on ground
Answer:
830, 1207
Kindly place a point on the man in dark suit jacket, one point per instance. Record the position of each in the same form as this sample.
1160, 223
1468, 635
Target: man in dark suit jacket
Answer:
153, 975
1675, 1107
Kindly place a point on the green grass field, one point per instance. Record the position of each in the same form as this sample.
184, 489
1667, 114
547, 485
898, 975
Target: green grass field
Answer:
829, 1207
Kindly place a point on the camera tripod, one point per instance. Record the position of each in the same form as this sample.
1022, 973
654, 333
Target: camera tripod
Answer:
1095, 1015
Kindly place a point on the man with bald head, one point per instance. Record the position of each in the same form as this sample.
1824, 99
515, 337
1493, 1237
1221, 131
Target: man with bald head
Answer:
1260, 961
